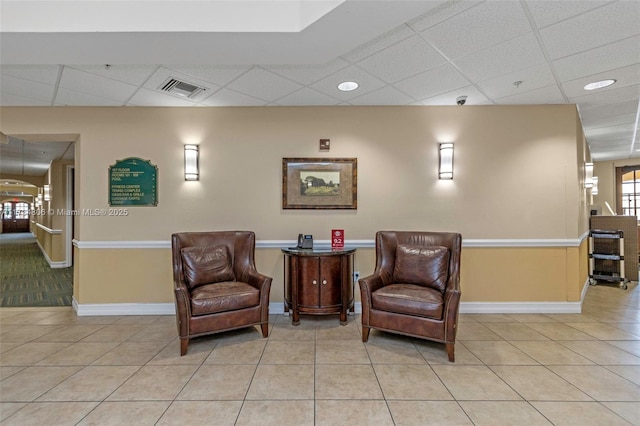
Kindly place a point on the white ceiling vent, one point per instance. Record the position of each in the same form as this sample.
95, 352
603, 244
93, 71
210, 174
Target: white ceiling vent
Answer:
181, 88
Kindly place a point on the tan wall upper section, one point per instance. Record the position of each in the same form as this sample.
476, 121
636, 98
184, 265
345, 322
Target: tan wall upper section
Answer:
515, 168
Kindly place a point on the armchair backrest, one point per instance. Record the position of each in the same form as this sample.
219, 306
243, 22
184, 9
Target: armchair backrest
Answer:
240, 246
387, 243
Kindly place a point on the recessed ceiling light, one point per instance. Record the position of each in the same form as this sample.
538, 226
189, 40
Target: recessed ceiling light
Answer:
348, 86
599, 84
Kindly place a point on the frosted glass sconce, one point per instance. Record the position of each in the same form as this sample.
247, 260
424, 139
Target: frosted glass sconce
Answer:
47, 192
594, 185
588, 175
445, 170
191, 166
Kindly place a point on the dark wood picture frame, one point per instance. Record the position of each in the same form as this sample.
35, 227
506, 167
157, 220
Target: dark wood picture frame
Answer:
319, 183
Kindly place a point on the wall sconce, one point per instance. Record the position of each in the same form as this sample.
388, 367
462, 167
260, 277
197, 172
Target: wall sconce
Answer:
39, 198
588, 175
445, 171
47, 192
191, 166
594, 187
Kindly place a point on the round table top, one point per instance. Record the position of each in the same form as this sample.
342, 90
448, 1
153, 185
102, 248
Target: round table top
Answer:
318, 251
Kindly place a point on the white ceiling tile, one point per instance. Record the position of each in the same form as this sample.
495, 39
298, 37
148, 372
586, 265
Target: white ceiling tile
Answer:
219, 75
613, 56
329, 85
626, 76
26, 88
546, 12
490, 23
226, 97
263, 84
384, 96
531, 78
544, 95
307, 96
519, 53
147, 97
95, 85
47, 74
603, 111
385, 40
620, 131
8, 99
592, 29
72, 98
610, 121
607, 97
474, 97
308, 74
405, 59
439, 80
127, 73
441, 13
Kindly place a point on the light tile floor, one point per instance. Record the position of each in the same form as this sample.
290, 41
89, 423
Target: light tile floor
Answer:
517, 369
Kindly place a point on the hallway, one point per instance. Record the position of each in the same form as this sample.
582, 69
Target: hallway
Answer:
26, 279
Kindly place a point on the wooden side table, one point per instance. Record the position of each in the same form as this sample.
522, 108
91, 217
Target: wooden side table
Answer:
318, 282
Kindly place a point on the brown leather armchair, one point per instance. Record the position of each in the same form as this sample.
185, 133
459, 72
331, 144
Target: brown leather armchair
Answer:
415, 288
217, 287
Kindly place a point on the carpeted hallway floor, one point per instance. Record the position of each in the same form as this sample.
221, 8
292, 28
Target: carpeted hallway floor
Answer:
26, 278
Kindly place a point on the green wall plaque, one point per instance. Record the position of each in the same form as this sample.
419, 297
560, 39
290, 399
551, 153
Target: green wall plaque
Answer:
133, 182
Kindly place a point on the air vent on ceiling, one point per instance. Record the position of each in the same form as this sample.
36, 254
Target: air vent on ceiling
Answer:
181, 88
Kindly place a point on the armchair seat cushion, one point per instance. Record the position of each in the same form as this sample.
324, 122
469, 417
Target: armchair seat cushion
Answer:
409, 299
223, 297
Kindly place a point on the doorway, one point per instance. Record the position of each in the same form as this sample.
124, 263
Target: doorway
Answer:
15, 216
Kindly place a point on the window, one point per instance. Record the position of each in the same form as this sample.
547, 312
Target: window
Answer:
7, 210
22, 210
15, 210
628, 190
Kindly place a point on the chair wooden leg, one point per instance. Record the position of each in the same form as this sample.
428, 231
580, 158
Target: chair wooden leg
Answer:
265, 330
365, 333
184, 343
450, 351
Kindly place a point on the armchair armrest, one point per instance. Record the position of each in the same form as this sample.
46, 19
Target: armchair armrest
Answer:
257, 280
183, 307
371, 283
450, 311
262, 283
368, 285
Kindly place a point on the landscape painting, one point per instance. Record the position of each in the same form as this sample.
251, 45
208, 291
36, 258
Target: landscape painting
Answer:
319, 183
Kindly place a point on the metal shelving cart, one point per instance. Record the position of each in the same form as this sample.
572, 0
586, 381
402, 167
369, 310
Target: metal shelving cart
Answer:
606, 257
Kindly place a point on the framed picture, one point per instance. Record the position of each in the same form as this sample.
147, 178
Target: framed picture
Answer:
319, 183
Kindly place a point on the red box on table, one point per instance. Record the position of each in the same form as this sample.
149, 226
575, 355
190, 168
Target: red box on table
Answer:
337, 238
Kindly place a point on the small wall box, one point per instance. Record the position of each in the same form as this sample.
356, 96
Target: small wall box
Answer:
337, 238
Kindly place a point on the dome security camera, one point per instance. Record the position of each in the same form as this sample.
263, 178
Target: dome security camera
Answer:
461, 100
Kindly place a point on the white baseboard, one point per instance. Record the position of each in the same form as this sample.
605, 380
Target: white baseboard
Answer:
96, 309
52, 264
520, 307
276, 308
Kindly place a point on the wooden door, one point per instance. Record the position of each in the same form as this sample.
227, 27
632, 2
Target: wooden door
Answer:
309, 282
330, 281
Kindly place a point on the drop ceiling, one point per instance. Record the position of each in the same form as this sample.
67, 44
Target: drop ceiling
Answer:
426, 52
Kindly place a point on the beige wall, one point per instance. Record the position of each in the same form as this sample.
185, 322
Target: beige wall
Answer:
517, 177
